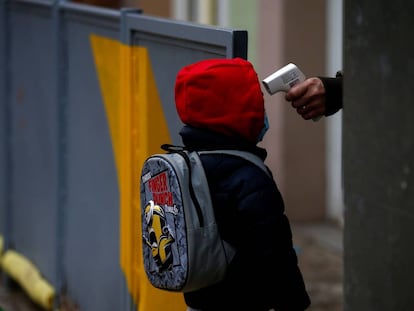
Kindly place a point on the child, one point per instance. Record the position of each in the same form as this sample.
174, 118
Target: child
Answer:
222, 106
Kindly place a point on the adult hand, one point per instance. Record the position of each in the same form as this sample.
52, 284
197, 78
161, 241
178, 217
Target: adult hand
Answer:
308, 98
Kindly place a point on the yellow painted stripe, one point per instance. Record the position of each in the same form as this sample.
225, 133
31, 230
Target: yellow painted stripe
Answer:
138, 127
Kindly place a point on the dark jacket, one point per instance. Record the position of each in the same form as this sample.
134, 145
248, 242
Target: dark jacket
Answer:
250, 214
333, 89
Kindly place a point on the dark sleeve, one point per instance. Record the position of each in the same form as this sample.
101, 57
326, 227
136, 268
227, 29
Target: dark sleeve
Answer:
333, 88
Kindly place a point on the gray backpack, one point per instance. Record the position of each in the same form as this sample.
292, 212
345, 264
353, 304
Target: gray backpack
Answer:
182, 248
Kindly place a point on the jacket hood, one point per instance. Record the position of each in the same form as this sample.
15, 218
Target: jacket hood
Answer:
221, 95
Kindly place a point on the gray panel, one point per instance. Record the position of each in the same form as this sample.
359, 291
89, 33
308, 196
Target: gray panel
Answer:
34, 136
172, 45
91, 249
379, 155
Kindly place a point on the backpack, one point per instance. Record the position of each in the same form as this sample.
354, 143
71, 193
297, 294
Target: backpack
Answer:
182, 248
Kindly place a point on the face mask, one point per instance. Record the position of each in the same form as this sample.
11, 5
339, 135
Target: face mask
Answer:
264, 129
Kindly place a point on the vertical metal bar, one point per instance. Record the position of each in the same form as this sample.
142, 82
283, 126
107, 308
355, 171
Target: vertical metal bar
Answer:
7, 117
240, 40
124, 28
60, 87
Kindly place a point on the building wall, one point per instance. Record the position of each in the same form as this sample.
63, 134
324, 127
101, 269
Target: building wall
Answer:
151, 7
157, 8
294, 31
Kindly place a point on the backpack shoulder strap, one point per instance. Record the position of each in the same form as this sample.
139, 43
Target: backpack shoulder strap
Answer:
189, 159
251, 157
242, 154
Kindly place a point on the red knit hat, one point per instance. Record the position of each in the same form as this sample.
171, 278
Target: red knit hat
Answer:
222, 95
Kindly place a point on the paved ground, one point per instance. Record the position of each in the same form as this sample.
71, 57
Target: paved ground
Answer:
320, 258
12, 299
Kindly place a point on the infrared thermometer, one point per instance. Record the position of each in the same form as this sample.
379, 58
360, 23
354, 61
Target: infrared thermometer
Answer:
283, 79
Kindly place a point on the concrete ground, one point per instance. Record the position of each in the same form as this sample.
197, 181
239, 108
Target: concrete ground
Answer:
320, 259
319, 249
13, 299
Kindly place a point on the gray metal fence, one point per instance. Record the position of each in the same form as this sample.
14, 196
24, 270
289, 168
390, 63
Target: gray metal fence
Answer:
59, 192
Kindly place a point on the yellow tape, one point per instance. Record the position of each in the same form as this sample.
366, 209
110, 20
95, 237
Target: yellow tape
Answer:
25, 273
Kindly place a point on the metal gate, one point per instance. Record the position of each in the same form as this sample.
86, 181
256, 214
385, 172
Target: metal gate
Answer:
86, 94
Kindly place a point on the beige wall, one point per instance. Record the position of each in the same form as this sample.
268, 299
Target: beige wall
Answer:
294, 31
